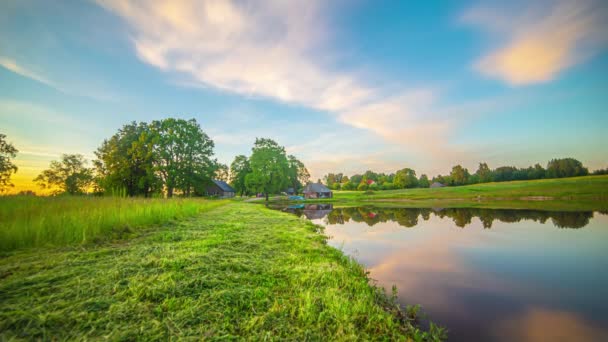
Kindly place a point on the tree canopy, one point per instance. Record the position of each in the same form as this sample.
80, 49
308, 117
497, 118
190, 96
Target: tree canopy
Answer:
269, 167
69, 175
7, 167
239, 169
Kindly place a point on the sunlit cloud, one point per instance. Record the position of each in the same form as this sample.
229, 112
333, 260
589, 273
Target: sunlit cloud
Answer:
540, 40
277, 50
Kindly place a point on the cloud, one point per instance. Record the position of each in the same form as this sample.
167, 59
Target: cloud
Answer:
540, 40
16, 68
12, 65
273, 49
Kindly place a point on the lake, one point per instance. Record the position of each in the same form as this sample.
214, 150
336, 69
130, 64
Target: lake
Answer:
486, 275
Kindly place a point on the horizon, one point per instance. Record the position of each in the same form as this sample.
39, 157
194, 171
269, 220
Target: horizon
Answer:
345, 87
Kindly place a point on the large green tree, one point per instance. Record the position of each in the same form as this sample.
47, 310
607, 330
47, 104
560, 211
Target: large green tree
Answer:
182, 155
484, 174
239, 169
298, 173
69, 175
405, 178
126, 161
459, 175
269, 167
565, 167
7, 168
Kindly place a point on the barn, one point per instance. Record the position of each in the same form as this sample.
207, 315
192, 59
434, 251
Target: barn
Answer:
317, 190
220, 189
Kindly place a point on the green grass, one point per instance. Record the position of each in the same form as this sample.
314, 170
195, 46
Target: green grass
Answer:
29, 221
237, 271
579, 193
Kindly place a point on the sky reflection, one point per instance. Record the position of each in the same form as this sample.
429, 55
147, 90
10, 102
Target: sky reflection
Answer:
528, 278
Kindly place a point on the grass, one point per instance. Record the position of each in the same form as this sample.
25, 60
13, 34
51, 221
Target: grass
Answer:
578, 193
29, 221
237, 271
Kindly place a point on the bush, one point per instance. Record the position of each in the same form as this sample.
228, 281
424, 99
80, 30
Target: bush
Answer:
362, 187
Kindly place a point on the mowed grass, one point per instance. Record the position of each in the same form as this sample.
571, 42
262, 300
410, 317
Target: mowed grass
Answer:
238, 271
29, 221
585, 192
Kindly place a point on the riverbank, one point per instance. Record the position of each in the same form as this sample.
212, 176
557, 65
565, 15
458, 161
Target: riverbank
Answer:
237, 270
569, 194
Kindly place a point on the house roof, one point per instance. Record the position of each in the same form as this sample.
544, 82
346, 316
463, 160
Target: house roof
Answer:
223, 185
437, 185
316, 187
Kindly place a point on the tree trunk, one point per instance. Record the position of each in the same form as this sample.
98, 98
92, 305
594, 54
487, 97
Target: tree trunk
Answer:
266, 197
170, 192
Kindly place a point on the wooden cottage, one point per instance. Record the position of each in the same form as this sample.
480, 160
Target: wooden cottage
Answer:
220, 189
317, 190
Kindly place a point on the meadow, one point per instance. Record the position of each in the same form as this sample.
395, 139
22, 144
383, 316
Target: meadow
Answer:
577, 193
235, 270
31, 221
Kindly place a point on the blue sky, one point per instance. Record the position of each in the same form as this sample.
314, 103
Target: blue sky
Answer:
346, 86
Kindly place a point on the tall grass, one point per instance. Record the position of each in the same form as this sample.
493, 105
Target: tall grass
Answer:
28, 221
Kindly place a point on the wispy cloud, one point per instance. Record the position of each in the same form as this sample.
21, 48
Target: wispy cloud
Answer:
14, 66
273, 49
540, 39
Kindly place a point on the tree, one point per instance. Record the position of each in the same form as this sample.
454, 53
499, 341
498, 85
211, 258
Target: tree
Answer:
126, 161
70, 175
222, 172
362, 186
298, 173
459, 175
566, 167
182, 155
239, 169
423, 182
484, 173
405, 179
7, 168
269, 167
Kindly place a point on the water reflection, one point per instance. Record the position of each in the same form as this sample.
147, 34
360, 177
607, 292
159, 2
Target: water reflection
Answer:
525, 279
462, 217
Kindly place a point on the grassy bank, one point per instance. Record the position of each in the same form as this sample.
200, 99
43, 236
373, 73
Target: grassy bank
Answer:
579, 193
238, 270
29, 221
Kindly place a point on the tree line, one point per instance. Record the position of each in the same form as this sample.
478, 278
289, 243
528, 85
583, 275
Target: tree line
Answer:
406, 178
163, 157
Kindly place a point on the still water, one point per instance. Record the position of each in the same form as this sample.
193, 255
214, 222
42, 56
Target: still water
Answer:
486, 275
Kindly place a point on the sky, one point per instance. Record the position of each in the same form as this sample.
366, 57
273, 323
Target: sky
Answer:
345, 86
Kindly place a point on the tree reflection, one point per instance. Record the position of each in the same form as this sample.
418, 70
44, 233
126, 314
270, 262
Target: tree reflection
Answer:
462, 217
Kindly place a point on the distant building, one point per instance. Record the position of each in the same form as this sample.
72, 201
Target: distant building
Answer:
290, 191
317, 190
220, 189
437, 185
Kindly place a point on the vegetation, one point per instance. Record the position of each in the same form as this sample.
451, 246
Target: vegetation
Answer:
270, 170
406, 178
30, 221
70, 175
7, 168
239, 169
216, 276
169, 154
577, 193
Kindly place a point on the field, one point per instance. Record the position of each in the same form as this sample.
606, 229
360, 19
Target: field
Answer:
29, 221
234, 269
578, 193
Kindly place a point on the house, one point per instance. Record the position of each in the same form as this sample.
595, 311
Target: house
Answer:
220, 189
437, 185
317, 190
317, 211
370, 182
290, 191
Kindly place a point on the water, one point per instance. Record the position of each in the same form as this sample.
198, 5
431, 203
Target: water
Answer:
486, 275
